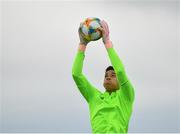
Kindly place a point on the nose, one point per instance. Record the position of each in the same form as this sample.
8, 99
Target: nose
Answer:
108, 78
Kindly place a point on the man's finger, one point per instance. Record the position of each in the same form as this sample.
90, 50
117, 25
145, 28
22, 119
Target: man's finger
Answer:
102, 23
100, 28
106, 25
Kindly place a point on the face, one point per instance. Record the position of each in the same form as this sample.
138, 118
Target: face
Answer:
110, 81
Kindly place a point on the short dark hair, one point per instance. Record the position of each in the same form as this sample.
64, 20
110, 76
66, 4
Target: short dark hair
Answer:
109, 68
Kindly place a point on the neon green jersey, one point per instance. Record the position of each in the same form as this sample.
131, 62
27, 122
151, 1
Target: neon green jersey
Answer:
109, 113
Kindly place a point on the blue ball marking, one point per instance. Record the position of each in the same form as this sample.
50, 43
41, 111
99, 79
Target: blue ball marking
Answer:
91, 30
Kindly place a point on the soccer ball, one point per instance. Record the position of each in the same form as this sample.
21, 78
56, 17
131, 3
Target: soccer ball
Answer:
90, 29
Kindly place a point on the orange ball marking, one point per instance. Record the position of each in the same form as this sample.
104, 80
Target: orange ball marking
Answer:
88, 21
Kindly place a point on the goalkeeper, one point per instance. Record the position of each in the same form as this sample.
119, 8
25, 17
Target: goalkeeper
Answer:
110, 111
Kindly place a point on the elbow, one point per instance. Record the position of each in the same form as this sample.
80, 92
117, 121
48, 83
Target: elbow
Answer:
75, 74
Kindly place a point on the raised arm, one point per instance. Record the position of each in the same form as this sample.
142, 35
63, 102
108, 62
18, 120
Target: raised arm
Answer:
117, 64
84, 86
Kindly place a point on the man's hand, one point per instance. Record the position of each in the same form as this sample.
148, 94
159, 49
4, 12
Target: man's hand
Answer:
105, 31
81, 37
105, 34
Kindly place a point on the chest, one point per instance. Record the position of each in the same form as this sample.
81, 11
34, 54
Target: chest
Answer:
109, 103
112, 107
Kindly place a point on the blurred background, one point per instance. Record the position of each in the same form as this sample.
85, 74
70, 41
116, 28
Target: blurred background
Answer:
39, 41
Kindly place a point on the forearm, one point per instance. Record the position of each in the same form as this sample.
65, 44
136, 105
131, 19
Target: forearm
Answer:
114, 58
85, 87
78, 62
116, 63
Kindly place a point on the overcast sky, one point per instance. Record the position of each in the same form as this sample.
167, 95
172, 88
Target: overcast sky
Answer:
39, 41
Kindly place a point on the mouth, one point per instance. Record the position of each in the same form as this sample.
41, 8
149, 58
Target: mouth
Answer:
108, 83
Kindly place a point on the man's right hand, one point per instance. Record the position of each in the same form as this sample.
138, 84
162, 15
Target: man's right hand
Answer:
81, 37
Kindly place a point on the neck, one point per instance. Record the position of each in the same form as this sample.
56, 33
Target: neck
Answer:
110, 92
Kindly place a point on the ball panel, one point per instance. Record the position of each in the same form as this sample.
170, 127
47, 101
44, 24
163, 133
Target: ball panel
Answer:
91, 30
85, 30
94, 24
95, 36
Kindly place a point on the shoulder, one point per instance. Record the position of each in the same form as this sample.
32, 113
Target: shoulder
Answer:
96, 93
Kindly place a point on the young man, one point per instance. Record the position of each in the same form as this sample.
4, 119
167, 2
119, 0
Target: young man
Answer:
110, 111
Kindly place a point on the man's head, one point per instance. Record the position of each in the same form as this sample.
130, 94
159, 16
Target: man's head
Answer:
110, 80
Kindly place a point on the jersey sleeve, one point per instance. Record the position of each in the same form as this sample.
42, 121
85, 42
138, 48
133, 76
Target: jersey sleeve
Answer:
85, 87
121, 75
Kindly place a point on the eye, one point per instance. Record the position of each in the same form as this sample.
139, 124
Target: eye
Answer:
112, 75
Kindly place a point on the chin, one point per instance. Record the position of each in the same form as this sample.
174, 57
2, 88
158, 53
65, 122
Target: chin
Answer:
110, 89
